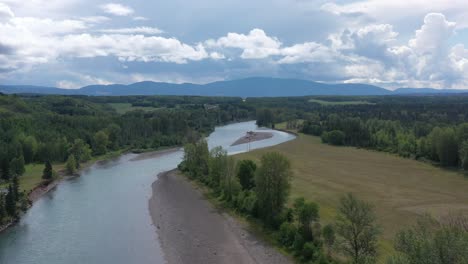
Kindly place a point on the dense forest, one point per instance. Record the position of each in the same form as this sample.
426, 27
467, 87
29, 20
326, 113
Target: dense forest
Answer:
73, 129
432, 128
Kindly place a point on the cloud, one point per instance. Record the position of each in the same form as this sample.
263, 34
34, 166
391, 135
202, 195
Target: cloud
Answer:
135, 30
5, 11
80, 80
140, 18
397, 10
94, 19
255, 45
117, 9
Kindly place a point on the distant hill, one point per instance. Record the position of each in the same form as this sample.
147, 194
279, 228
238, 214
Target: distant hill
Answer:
249, 87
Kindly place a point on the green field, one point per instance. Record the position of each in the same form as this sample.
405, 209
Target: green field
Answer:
401, 189
323, 102
123, 108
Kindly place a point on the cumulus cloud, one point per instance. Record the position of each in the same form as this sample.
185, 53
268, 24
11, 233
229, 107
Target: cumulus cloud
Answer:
396, 10
117, 9
5, 11
135, 30
255, 45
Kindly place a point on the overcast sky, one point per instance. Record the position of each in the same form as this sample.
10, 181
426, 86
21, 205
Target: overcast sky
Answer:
394, 43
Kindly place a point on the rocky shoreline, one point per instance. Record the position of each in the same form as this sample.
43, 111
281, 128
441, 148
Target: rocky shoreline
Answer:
192, 230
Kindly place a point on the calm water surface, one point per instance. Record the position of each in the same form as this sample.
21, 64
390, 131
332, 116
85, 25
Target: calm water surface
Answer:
102, 216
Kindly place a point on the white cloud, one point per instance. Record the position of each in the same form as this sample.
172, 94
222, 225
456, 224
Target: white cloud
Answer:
117, 9
5, 11
80, 80
94, 19
397, 10
135, 30
140, 18
255, 45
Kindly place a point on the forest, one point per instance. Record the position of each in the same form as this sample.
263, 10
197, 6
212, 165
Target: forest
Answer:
427, 128
70, 130
57, 129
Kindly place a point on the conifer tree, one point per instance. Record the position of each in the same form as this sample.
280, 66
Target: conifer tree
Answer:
47, 173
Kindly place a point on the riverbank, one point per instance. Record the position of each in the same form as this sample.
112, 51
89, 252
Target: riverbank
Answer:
192, 230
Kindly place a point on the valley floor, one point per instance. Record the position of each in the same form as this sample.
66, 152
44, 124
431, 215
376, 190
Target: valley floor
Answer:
401, 189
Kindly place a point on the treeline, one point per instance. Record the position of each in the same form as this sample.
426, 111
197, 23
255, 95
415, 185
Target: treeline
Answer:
444, 144
261, 192
73, 129
433, 128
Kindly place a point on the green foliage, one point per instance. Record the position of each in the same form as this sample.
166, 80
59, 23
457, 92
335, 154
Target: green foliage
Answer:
47, 174
10, 202
432, 242
246, 174
334, 137
230, 185
286, 234
306, 213
328, 234
17, 166
101, 141
6, 173
81, 151
71, 164
217, 165
464, 155
272, 183
356, 229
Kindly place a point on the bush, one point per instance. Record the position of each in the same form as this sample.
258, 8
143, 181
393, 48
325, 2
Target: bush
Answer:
287, 233
335, 137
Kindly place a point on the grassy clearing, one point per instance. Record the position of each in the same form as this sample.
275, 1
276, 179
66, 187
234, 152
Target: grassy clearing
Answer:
123, 108
323, 102
401, 189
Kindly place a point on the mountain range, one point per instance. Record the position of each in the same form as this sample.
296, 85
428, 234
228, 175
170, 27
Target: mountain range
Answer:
249, 87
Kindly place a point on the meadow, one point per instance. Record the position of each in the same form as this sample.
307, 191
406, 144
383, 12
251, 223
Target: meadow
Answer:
400, 189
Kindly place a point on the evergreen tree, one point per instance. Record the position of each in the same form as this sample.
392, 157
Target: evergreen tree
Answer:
2, 208
15, 187
47, 173
10, 202
5, 169
17, 166
246, 174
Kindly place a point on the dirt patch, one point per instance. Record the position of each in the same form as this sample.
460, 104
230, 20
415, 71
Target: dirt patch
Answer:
253, 136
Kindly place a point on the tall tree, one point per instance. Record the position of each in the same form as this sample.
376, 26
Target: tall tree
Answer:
101, 141
6, 173
17, 166
272, 183
10, 202
246, 174
357, 230
306, 213
71, 164
15, 187
81, 151
47, 174
230, 182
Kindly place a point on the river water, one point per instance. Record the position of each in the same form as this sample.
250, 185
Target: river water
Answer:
102, 216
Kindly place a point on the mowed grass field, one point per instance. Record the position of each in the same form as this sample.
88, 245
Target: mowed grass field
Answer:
324, 102
401, 189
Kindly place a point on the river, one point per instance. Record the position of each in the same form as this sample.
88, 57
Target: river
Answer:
102, 216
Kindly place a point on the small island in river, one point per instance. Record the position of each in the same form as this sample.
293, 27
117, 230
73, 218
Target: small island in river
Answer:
252, 136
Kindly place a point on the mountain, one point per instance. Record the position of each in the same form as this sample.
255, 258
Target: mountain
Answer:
249, 87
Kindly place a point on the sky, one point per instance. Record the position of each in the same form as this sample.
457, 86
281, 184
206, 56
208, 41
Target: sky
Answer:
392, 44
